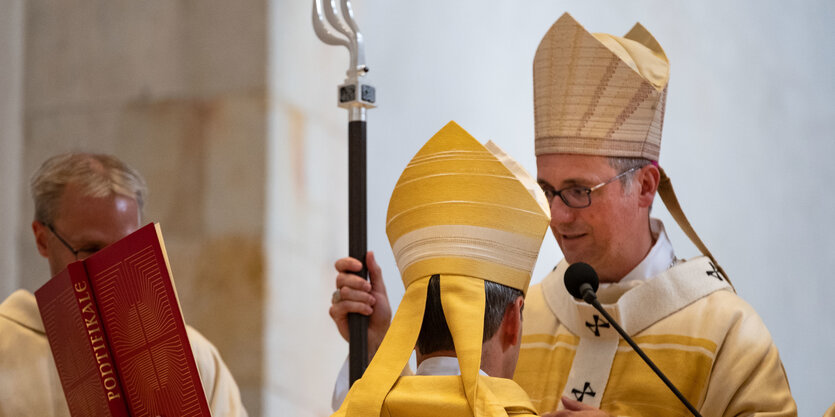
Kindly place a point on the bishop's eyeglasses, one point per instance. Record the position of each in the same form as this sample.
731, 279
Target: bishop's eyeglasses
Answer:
578, 196
78, 253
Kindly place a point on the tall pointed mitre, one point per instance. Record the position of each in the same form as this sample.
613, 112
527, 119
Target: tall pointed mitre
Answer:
468, 213
599, 94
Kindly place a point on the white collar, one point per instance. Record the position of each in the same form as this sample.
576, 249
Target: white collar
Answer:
441, 365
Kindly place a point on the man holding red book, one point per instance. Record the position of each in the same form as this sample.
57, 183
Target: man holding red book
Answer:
83, 202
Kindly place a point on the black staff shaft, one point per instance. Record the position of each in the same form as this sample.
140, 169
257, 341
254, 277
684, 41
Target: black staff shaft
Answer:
357, 244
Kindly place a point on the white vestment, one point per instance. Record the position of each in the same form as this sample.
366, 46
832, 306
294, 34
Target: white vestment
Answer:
710, 343
29, 383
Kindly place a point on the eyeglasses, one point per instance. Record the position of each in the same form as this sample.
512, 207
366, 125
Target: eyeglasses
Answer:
579, 197
78, 253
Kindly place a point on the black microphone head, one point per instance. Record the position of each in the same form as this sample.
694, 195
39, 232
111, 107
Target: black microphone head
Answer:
578, 274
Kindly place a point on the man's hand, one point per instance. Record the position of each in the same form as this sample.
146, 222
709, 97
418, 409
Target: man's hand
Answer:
356, 295
576, 409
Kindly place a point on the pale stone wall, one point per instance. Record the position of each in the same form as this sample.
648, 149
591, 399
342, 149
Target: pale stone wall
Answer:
11, 138
178, 90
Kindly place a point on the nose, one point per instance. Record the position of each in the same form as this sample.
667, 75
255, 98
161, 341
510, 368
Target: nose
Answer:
561, 213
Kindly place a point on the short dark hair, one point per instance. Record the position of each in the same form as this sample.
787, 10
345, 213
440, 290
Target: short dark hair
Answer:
434, 332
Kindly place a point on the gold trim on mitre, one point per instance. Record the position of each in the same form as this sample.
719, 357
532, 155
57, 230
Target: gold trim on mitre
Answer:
461, 208
599, 94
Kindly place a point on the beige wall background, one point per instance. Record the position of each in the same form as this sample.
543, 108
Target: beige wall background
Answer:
177, 89
11, 138
229, 110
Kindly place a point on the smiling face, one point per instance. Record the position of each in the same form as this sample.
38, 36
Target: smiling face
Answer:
87, 224
612, 234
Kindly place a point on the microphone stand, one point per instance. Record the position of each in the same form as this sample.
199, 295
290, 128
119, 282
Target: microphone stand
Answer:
590, 297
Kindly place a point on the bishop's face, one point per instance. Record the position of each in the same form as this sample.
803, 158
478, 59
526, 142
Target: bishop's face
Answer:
602, 234
87, 224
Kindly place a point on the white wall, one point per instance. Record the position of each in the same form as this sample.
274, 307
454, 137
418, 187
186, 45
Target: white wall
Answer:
306, 224
747, 138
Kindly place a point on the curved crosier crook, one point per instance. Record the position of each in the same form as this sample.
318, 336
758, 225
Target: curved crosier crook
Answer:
324, 34
343, 23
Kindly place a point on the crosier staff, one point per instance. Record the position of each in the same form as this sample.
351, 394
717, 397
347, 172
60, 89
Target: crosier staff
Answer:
356, 96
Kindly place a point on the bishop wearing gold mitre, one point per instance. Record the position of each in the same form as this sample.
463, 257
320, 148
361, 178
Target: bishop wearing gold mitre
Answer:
599, 108
465, 223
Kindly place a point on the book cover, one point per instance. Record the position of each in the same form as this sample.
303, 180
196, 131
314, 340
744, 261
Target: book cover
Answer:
140, 314
79, 347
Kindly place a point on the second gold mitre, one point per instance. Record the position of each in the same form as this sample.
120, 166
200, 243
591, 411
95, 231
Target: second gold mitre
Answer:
461, 207
466, 213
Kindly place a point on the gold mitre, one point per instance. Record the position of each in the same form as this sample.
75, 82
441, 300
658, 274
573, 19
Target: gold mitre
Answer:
468, 213
599, 94
467, 209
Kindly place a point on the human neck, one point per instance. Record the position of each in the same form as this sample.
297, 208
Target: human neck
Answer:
419, 357
491, 361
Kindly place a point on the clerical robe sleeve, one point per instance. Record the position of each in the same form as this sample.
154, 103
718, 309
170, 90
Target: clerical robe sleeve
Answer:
222, 392
748, 378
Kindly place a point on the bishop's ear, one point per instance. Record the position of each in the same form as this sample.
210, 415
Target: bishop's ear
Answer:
511, 327
41, 237
648, 178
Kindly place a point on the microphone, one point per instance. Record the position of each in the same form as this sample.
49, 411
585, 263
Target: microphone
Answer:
581, 282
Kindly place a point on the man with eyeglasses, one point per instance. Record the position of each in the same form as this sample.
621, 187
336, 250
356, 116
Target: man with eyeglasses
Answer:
83, 202
599, 107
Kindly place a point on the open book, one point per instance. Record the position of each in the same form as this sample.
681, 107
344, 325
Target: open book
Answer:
117, 333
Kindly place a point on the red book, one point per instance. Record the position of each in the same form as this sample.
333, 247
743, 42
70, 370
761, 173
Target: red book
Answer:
81, 353
127, 289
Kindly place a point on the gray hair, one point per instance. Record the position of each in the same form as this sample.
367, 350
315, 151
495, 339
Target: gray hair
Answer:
622, 164
434, 332
98, 175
